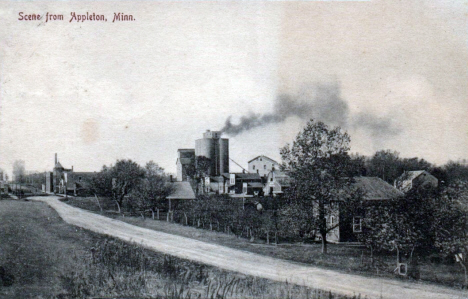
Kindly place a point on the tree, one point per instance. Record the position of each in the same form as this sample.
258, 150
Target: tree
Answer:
456, 172
126, 175
385, 165
198, 169
320, 166
451, 221
404, 224
117, 181
152, 191
420, 222
19, 171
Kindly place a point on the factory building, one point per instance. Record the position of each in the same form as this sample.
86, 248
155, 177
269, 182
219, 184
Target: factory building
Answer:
262, 165
215, 148
185, 160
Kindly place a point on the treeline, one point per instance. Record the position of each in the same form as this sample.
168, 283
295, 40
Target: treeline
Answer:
272, 219
388, 165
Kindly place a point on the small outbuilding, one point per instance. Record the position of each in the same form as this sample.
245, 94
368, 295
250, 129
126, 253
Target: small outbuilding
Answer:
416, 179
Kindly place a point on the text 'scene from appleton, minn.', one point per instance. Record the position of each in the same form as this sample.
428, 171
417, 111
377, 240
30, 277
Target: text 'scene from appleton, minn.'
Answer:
74, 17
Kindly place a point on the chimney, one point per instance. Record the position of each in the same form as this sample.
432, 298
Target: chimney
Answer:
55, 159
72, 168
170, 178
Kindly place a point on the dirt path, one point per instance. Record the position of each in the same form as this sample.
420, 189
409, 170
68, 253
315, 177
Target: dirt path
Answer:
249, 263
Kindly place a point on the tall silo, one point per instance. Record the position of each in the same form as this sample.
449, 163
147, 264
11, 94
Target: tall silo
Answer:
223, 156
216, 149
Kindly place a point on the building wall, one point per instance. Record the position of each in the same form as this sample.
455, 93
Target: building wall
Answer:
49, 178
262, 165
272, 184
180, 172
425, 180
223, 155
182, 156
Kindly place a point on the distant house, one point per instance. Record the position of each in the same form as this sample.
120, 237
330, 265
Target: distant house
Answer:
375, 191
416, 179
262, 165
276, 183
66, 181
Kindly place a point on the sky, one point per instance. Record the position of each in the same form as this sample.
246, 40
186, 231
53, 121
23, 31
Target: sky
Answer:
392, 74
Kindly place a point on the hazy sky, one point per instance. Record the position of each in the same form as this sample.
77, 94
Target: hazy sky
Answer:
394, 74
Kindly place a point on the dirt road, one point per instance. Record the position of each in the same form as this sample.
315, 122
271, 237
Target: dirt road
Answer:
250, 263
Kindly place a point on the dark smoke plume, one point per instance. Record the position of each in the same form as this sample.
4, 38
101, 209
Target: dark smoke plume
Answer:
321, 102
376, 126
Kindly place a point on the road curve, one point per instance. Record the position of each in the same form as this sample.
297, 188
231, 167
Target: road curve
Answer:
249, 263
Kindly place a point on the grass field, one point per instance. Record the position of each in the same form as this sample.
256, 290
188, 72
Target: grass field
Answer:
50, 259
350, 259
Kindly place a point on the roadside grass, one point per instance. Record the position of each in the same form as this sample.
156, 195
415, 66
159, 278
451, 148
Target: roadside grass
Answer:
342, 257
36, 244
50, 259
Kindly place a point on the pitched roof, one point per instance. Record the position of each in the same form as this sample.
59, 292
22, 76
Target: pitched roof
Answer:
58, 166
377, 189
262, 156
182, 190
409, 175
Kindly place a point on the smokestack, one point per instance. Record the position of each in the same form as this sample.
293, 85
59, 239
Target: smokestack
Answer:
55, 159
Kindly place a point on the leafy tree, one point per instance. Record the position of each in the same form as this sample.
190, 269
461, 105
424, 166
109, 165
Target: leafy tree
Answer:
152, 169
385, 165
451, 221
420, 222
152, 191
456, 172
117, 181
126, 175
198, 169
19, 171
358, 165
403, 224
319, 164
411, 164
101, 183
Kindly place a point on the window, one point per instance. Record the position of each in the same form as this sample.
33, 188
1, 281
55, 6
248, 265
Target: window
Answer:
271, 179
79, 179
357, 224
332, 220
264, 166
257, 170
254, 167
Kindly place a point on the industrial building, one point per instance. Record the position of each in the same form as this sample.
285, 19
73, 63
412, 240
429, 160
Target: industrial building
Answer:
215, 148
262, 165
185, 160
63, 180
212, 147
